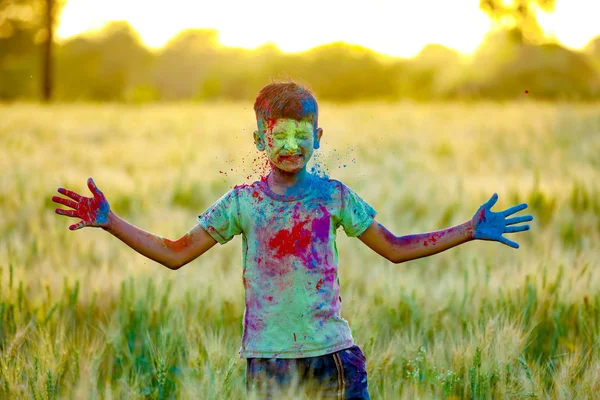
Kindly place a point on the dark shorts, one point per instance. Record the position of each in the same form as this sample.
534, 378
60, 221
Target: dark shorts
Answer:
340, 375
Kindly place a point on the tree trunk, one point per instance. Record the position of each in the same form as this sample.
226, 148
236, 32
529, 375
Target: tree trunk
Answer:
47, 73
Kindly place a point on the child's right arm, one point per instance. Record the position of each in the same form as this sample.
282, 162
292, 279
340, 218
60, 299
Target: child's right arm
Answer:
96, 212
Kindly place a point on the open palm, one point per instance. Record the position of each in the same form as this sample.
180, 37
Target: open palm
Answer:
93, 211
489, 225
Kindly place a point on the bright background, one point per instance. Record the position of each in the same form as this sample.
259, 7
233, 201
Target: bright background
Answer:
392, 27
425, 139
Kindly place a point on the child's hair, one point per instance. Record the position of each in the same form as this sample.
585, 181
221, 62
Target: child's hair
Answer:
286, 100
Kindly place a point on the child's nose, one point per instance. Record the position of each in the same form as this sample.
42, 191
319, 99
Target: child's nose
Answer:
291, 144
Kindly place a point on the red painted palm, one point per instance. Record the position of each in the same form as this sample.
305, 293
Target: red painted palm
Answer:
93, 211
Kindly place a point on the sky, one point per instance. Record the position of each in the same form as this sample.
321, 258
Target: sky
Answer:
393, 27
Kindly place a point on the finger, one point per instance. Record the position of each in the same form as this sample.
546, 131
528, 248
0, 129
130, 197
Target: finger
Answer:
69, 193
93, 188
66, 202
79, 225
514, 209
512, 229
68, 213
490, 203
516, 220
508, 242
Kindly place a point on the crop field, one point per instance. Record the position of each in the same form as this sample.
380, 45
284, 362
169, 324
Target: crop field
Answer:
82, 316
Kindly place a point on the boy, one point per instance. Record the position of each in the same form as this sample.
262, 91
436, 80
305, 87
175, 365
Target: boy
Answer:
293, 330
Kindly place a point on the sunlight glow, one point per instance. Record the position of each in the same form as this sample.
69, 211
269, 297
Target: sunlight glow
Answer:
574, 22
397, 28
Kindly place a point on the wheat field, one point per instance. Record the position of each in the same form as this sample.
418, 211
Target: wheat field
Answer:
84, 316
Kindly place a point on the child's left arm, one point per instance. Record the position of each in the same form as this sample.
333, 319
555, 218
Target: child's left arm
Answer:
485, 225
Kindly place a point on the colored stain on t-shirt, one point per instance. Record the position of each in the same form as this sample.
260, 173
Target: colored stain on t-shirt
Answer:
290, 263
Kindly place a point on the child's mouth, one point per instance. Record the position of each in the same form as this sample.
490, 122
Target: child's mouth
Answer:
293, 158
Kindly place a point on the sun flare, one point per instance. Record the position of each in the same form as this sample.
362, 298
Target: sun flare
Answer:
396, 28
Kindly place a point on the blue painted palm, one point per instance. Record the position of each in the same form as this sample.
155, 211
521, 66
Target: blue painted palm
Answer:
489, 225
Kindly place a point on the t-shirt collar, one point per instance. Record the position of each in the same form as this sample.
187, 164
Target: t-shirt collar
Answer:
283, 197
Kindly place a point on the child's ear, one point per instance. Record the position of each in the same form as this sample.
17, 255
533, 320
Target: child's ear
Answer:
318, 134
258, 141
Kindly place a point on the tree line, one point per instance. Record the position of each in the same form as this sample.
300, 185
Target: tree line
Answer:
114, 65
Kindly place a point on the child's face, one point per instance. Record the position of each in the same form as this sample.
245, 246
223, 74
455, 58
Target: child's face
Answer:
289, 143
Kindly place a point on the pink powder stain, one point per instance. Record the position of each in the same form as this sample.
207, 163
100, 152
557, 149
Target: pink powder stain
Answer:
276, 272
433, 238
282, 281
322, 315
252, 321
321, 226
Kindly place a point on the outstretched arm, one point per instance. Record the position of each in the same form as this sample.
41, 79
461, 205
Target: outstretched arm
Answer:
96, 212
485, 225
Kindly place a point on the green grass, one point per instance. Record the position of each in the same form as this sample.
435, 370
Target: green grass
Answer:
84, 316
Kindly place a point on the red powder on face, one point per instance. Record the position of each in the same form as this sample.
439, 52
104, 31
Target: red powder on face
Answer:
270, 124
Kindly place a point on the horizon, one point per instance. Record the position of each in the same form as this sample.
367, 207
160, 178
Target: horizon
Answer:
571, 24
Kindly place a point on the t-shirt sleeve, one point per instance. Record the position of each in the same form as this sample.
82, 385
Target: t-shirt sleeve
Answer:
356, 215
222, 219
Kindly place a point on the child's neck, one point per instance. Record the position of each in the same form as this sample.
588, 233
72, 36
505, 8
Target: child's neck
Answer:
282, 179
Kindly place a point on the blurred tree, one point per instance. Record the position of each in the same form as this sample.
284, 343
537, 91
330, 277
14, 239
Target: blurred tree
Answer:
518, 15
498, 48
50, 11
593, 47
433, 72
26, 32
344, 72
548, 71
110, 65
113, 64
184, 63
